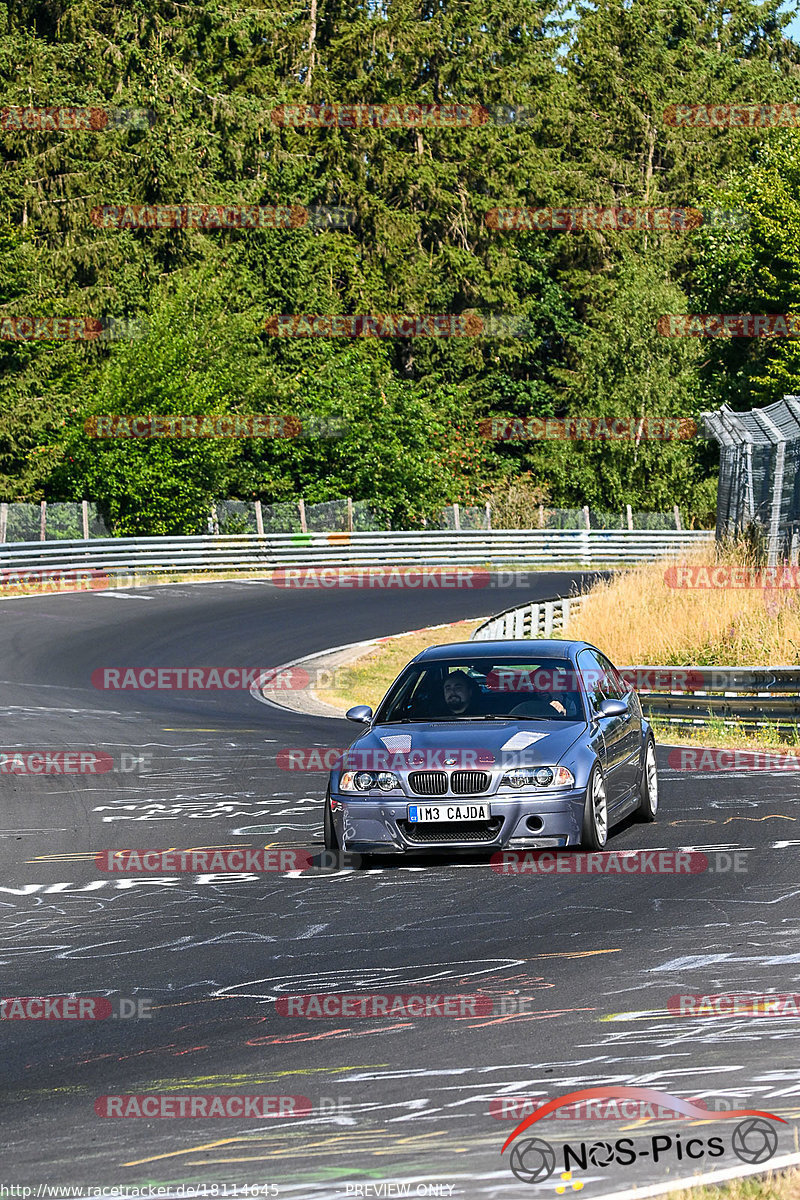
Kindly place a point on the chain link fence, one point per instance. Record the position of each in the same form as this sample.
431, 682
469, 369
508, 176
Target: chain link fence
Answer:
457, 517
53, 521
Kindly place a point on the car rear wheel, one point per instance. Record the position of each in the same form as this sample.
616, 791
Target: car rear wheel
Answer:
329, 829
594, 833
648, 788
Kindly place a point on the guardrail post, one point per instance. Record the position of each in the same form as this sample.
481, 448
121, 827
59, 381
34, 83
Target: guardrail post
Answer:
43, 521
548, 619
3, 521
85, 518
541, 516
677, 512
350, 513
456, 518
629, 514
488, 515
259, 519
301, 505
586, 516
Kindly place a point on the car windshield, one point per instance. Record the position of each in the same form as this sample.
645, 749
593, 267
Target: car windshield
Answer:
484, 689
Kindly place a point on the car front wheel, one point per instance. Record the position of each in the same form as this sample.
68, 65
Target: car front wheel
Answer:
648, 788
594, 833
329, 829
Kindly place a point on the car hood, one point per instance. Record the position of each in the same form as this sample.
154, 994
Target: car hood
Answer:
505, 742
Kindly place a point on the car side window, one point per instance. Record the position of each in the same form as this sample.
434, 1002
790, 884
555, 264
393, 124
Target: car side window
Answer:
593, 676
617, 688
601, 678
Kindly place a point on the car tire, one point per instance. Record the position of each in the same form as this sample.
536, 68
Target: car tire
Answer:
594, 831
648, 785
328, 828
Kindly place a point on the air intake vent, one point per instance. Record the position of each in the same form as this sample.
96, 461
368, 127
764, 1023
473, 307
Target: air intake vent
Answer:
428, 783
469, 783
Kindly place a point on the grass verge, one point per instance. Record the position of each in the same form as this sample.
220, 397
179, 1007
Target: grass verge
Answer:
782, 1186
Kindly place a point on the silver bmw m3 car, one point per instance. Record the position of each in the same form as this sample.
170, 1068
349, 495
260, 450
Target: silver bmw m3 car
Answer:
494, 745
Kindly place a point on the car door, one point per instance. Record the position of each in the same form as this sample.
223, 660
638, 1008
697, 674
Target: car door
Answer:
632, 724
611, 731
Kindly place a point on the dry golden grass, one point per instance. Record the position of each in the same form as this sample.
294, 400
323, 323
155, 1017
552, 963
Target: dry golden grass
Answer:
370, 675
635, 618
784, 1186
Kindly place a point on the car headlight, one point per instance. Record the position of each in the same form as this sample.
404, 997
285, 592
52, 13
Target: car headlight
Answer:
549, 777
365, 781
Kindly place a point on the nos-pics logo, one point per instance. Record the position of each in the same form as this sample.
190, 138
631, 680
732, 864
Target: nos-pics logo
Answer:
754, 1140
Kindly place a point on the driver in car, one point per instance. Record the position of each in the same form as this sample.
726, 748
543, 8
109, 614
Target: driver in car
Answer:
460, 694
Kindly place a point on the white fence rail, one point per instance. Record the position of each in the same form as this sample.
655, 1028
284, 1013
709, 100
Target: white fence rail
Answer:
536, 548
538, 620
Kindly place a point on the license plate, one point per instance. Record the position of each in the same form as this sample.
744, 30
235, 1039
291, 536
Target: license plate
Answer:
419, 813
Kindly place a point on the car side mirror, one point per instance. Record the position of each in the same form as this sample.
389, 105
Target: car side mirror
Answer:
613, 708
361, 714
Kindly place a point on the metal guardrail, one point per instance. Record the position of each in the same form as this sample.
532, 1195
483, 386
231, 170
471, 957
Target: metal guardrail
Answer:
540, 619
745, 696
500, 547
748, 697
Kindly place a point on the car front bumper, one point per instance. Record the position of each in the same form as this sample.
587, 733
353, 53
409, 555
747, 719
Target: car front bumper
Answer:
378, 825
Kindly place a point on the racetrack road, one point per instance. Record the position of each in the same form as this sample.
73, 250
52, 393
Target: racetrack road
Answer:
583, 965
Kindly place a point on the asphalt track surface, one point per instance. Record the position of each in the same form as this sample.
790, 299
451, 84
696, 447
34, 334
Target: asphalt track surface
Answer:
400, 1102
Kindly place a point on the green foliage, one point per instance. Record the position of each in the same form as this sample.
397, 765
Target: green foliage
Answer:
594, 84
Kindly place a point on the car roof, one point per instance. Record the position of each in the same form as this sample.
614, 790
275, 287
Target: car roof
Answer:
519, 648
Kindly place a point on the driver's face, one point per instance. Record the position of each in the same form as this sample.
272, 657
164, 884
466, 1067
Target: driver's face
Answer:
456, 694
